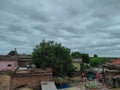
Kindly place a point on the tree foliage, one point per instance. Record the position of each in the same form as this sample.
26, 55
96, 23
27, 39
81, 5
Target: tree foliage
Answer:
76, 55
55, 56
96, 61
12, 53
85, 58
95, 55
84, 66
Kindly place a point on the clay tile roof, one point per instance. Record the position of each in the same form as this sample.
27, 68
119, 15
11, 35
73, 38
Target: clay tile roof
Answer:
116, 62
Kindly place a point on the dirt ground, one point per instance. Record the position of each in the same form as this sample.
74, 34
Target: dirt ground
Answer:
77, 82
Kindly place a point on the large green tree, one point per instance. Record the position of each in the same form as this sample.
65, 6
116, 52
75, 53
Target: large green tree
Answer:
96, 61
55, 56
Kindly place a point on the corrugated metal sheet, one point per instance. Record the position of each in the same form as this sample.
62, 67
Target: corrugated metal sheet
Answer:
48, 85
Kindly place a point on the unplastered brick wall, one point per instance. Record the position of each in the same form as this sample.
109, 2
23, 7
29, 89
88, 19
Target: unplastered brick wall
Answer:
29, 80
4, 82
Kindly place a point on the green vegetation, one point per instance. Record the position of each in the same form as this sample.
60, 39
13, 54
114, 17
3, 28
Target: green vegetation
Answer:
55, 56
85, 58
12, 53
84, 66
95, 55
76, 55
96, 61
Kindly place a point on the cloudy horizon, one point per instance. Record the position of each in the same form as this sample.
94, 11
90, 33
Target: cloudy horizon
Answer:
87, 26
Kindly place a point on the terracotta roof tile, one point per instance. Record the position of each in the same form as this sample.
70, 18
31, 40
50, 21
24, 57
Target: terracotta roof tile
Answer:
116, 62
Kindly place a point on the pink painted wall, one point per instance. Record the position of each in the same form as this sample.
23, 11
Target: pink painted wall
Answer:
7, 65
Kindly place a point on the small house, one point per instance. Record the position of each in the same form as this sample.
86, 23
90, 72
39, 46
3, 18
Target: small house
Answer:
23, 60
77, 62
8, 63
112, 73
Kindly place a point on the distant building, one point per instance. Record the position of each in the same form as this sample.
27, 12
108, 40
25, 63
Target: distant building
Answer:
23, 60
76, 62
112, 73
116, 62
8, 63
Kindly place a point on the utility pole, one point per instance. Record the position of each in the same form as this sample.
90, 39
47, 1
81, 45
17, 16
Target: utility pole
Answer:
16, 53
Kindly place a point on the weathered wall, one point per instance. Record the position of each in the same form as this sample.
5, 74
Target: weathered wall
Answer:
4, 82
111, 75
77, 65
30, 80
4, 65
23, 63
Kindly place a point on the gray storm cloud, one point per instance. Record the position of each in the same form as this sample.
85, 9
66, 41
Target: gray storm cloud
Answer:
88, 26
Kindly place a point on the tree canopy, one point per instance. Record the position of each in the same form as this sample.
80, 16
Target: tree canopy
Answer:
84, 66
12, 53
96, 61
95, 55
76, 55
55, 56
85, 58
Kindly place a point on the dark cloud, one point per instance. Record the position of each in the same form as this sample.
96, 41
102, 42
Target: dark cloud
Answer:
89, 26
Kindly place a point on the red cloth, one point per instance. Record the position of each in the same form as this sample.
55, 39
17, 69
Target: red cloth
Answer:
97, 75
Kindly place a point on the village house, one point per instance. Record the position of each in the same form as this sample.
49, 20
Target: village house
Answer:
23, 60
25, 78
112, 74
77, 62
8, 63
21, 76
30, 78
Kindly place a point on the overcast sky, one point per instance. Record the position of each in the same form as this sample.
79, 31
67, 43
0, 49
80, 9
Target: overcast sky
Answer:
87, 26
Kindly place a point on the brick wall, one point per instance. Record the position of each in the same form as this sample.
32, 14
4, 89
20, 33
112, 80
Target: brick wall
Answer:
29, 80
23, 63
4, 82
